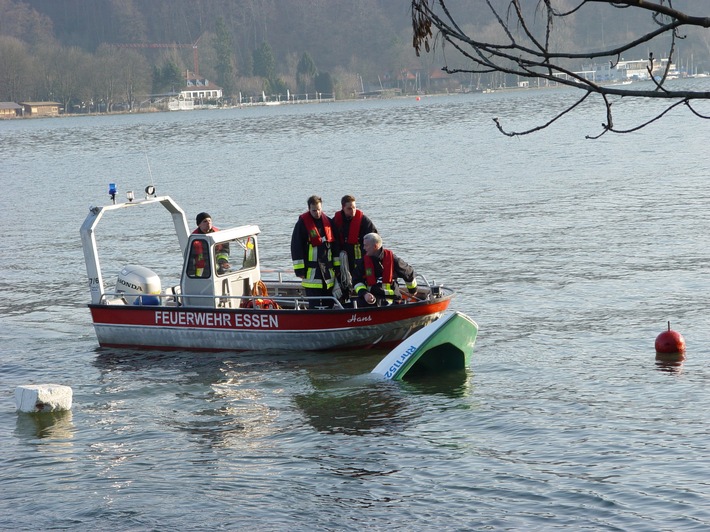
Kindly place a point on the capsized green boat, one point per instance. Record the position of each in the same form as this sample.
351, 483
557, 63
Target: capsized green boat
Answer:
444, 345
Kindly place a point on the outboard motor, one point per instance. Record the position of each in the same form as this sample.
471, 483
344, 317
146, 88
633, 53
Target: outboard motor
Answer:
138, 285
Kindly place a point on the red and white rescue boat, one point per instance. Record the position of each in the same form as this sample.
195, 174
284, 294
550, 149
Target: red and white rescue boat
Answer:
216, 308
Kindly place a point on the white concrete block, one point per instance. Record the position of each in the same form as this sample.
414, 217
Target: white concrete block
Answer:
43, 398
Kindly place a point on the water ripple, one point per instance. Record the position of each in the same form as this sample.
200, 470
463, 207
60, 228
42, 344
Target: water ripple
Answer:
571, 255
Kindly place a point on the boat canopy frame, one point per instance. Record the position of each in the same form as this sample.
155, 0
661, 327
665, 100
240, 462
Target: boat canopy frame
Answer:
88, 237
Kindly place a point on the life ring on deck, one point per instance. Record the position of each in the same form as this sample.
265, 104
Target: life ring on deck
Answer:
262, 304
265, 304
259, 289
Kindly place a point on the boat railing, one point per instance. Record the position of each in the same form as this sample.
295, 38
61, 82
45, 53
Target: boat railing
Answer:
286, 295
279, 273
220, 302
434, 290
427, 290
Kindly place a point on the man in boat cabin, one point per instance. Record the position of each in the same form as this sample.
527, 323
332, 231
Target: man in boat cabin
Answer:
315, 254
200, 265
352, 226
376, 282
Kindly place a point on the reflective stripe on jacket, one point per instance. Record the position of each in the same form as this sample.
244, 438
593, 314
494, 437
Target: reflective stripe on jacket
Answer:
308, 246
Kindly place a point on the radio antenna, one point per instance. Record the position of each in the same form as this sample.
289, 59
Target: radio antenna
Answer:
150, 172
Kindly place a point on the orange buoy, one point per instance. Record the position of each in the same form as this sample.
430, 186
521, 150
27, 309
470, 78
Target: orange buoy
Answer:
670, 342
418, 98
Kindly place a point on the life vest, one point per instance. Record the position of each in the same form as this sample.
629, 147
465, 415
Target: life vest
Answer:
309, 263
198, 232
353, 236
314, 236
199, 255
199, 252
387, 271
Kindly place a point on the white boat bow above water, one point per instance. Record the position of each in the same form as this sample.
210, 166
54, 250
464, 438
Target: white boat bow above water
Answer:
444, 345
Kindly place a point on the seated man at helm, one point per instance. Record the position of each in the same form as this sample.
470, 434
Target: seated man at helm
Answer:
376, 281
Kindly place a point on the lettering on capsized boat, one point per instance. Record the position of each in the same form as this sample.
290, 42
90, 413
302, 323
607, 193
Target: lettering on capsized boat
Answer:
211, 319
401, 360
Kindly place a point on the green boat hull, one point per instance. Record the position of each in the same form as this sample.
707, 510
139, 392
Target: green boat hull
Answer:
444, 345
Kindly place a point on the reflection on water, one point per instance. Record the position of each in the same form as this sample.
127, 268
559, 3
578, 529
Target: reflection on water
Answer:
216, 398
454, 384
225, 401
670, 363
204, 368
571, 253
45, 425
218, 427
368, 404
356, 412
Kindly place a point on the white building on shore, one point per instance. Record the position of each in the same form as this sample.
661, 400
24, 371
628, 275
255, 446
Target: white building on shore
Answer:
199, 89
625, 71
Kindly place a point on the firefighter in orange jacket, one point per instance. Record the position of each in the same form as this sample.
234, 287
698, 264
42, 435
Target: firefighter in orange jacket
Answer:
314, 251
200, 255
376, 282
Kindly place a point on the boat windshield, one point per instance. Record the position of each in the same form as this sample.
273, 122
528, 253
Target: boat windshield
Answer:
243, 255
232, 256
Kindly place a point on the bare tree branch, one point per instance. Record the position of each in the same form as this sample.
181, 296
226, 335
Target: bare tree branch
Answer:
538, 128
527, 46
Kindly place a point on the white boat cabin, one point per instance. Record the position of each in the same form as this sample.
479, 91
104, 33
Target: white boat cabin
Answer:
223, 264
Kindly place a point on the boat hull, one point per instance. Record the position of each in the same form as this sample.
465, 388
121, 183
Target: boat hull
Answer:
444, 345
206, 329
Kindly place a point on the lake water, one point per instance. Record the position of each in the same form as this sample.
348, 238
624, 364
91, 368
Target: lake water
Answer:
571, 254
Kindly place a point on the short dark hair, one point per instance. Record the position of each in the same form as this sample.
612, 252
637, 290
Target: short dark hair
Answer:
314, 200
346, 199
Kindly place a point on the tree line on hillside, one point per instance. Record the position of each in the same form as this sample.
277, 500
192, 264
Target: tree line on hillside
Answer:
82, 52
